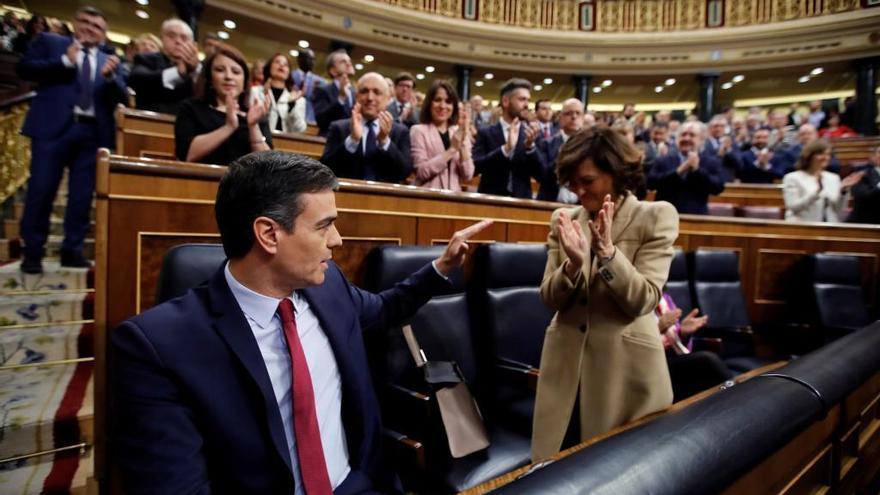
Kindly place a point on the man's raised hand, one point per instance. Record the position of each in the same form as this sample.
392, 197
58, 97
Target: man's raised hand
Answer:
456, 251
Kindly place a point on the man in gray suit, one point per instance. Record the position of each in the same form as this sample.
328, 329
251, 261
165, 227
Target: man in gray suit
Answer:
404, 108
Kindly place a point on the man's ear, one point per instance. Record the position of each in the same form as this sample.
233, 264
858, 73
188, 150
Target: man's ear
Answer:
266, 233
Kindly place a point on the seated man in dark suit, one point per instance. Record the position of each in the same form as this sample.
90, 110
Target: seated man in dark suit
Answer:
257, 382
721, 145
505, 154
78, 87
369, 145
687, 179
806, 134
759, 164
866, 193
163, 80
334, 100
571, 120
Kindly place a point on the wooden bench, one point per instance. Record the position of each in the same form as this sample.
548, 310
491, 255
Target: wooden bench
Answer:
854, 151
151, 135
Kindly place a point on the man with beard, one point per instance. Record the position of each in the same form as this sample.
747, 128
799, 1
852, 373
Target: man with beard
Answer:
369, 145
505, 154
687, 179
163, 80
759, 163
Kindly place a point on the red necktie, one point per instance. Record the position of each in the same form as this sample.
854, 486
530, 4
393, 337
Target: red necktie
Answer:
309, 450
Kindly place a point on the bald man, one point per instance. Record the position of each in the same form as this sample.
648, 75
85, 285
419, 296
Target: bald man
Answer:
571, 120
369, 145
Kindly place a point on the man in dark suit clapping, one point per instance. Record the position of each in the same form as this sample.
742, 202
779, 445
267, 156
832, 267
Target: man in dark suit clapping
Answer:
571, 120
505, 154
78, 86
334, 100
369, 145
687, 179
162, 80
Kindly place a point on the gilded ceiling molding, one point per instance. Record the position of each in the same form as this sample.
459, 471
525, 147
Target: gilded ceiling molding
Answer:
638, 37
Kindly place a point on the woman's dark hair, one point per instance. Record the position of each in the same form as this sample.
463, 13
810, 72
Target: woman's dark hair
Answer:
425, 113
265, 184
267, 70
31, 26
817, 147
204, 84
609, 150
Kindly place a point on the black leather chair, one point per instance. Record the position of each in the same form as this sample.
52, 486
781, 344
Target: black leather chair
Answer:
719, 294
443, 330
187, 266
511, 319
678, 285
837, 288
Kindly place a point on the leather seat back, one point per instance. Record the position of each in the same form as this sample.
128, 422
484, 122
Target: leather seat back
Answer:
187, 266
388, 265
837, 287
718, 288
518, 319
678, 285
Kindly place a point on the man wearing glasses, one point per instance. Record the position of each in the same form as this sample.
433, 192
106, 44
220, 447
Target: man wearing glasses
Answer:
79, 85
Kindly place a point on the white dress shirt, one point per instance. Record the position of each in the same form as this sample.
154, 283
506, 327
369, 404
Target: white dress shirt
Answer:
93, 65
352, 146
260, 312
505, 130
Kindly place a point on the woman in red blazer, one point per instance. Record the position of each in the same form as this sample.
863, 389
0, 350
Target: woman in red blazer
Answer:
441, 150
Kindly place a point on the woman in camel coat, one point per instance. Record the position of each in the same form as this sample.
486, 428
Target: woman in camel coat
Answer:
603, 363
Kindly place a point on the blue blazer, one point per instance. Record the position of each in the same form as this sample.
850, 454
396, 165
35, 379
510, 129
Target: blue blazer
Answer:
689, 194
51, 111
731, 162
751, 174
325, 100
549, 189
494, 168
193, 408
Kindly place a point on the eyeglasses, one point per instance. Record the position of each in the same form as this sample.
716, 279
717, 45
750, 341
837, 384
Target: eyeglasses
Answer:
93, 24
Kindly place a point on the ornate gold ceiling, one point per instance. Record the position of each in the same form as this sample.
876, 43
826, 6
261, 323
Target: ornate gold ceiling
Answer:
625, 37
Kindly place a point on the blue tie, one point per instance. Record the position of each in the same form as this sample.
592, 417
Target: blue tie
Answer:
370, 150
84, 102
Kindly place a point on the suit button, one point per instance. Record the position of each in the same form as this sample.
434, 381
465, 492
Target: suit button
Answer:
583, 328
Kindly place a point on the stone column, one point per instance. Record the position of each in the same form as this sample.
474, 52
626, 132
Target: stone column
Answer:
706, 107
463, 81
582, 88
865, 121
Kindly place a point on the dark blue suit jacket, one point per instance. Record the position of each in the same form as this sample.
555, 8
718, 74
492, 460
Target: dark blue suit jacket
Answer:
193, 407
549, 189
689, 194
495, 169
325, 100
789, 159
751, 174
391, 165
731, 162
51, 111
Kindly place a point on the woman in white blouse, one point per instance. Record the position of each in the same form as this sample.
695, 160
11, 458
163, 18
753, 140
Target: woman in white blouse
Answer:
287, 107
811, 194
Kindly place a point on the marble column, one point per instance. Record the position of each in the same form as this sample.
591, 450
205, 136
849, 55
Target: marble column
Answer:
463, 81
708, 81
582, 88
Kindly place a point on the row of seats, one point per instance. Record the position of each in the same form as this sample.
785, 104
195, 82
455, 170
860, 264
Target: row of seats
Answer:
493, 327
734, 210
709, 445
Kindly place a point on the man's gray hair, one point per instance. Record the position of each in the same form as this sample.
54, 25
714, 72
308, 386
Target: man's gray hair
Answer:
169, 23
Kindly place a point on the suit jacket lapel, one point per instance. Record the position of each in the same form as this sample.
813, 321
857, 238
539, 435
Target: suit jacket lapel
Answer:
232, 327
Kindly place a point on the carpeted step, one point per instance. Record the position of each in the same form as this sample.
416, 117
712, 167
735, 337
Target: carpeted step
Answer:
12, 228
67, 472
36, 309
54, 278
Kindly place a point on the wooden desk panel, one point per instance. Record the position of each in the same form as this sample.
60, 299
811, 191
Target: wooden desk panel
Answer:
146, 134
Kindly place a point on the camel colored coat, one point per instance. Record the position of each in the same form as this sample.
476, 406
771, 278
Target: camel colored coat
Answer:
604, 335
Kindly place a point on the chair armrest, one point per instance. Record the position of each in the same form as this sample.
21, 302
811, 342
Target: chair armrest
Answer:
407, 455
408, 411
711, 344
518, 374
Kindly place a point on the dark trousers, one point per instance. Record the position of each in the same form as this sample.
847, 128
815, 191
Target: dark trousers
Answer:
692, 373
75, 148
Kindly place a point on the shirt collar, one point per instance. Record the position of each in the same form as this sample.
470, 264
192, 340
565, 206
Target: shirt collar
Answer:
256, 306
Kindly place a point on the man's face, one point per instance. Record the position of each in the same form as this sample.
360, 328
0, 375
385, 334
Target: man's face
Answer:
778, 120
760, 139
477, 104
807, 134
689, 138
342, 65
372, 94
629, 110
716, 128
210, 46
516, 104
90, 30
174, 37
544, 112
572, 118
659, 134
404, 90
302, 254
589, 120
